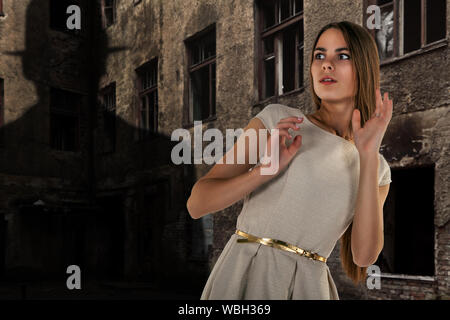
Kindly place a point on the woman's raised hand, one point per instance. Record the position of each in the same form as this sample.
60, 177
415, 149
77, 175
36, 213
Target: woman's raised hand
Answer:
368, 139
285, 154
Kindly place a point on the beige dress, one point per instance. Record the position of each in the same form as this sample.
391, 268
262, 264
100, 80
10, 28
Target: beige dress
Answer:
310, 204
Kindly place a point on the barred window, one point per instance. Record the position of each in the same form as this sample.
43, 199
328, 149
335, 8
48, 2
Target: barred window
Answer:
148, 99
281, 47
202, 75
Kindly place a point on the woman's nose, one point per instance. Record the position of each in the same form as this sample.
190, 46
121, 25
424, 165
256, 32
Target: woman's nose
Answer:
326, 66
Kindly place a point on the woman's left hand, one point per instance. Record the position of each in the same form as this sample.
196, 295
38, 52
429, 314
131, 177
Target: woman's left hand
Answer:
368, 139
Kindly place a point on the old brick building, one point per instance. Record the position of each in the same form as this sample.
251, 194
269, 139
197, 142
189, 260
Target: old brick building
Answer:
87, 119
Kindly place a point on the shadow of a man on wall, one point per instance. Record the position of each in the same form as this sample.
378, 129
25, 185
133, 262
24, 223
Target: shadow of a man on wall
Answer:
73, 226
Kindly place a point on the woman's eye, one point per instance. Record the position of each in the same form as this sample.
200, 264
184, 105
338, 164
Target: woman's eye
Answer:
344, 56
320, 56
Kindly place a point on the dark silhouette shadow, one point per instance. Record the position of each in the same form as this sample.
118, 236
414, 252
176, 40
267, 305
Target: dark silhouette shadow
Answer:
117, 216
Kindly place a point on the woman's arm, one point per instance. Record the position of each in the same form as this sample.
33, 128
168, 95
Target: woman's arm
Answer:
367, 230
210, 195
226, 183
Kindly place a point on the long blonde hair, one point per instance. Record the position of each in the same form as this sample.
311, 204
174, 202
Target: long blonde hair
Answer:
366, 63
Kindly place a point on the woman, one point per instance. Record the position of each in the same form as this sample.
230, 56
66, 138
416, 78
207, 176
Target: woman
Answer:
331, 182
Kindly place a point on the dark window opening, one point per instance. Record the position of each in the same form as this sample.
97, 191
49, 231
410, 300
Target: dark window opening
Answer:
148, 99
108, 107
436, 29
409, 223
64, 120
202, 76
412, 26
268, 8
1, 8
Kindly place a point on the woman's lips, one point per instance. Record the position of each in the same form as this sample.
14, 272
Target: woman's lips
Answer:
327, 81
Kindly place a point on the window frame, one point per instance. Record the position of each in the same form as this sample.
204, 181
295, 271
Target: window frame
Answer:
277, 31
398, 31
114, 13
141, 93
190, 68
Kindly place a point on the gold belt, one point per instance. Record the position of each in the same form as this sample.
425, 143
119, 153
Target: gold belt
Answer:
280, 245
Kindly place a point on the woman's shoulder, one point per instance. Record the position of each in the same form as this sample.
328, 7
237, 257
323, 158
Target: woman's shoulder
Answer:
282, 110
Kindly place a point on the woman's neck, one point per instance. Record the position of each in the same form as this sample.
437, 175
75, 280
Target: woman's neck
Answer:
336, 117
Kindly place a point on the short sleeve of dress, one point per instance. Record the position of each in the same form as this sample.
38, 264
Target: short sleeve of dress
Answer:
384, 172
269, 116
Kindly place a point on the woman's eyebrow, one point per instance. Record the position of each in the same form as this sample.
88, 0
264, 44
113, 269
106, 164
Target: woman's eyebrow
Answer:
337, 50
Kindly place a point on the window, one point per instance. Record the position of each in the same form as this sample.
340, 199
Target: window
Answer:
281, 46
64, 120
148, 99
409, 224
407, 26
202, 75
109, 12
59, 15
108, 110
1, 8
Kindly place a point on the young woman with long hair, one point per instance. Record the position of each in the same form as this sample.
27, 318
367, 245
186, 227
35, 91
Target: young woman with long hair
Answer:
331, 181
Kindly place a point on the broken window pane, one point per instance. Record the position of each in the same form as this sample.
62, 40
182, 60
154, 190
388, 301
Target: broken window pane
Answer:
435, 20
385, 36
268, 8
412, 26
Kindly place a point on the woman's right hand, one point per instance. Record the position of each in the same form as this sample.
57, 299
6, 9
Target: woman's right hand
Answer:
286, 154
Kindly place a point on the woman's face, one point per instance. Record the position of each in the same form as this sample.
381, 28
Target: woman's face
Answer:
332, 69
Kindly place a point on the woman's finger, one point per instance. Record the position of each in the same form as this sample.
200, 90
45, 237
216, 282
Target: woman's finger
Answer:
385, 104
288, 125
378, 103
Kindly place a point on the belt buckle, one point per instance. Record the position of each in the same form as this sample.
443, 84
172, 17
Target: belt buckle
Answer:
310, 255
